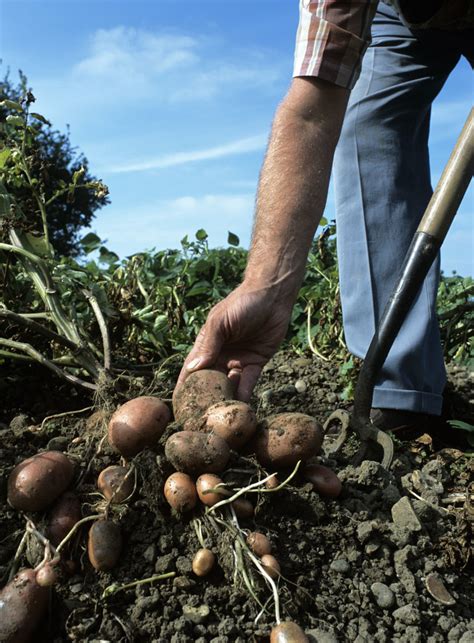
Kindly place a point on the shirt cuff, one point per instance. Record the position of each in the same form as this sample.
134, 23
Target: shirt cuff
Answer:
326, 50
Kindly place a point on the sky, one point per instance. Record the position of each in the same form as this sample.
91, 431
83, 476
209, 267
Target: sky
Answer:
172, 104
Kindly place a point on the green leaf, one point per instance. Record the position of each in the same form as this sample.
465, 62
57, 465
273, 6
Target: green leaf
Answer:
464, 426
232, 239
323, 222
201, 235
40, 117
17, 121
4, 155
90, 242
38, 245
107, 256
11, 104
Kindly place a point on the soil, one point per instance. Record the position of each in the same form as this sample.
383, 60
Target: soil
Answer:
389, 560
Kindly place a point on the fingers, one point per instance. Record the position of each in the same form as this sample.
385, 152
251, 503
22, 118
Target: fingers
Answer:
247, 381
206, 350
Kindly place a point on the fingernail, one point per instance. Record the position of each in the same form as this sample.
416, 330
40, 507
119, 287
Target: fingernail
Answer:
193, 364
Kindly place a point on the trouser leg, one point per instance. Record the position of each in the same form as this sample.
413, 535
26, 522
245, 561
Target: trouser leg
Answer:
382, 186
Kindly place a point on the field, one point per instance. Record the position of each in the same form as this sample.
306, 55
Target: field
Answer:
81, 333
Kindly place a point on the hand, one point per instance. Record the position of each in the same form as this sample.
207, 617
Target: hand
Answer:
240, 335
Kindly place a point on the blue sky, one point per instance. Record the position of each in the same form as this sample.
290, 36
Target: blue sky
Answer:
172, 103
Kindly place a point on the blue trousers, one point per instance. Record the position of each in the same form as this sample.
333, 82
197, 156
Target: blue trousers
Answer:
382, 187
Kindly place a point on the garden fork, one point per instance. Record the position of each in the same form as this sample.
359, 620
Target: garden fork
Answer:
422, 251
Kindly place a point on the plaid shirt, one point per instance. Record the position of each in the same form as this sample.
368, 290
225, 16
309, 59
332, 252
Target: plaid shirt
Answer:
334, 34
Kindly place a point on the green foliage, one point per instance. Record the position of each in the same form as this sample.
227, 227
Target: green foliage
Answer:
456, 315
57, 171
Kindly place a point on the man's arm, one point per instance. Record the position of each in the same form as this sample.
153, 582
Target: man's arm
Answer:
244, 330
294, 183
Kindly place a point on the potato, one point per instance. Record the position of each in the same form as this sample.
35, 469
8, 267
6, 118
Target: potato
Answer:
284, 439
114, 485
138, 424
203, 562
46, 576
35, 483
243, 508
288, 632
234, 421
272, 483
63, 516
324, 480
197, 453
205, 482
259, 543
199, 391
180, 492
270, 565
23, 604
104, 544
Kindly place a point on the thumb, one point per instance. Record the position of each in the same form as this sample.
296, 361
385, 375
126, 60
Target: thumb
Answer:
205, 352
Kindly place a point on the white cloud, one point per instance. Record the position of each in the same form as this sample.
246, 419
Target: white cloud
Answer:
164, 223
240, 146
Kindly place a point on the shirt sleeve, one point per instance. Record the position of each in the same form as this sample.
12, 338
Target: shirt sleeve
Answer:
332, 38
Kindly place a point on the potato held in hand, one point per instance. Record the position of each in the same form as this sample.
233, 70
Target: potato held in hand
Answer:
284, 439
138, 424
35, 483
198, 392
197, 453
234, 421
22, 605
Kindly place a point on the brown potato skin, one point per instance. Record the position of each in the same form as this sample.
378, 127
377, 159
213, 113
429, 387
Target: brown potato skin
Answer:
180, 492
112, 486
288, 632
22, 605
63, 516
234, 421
271, 565
243, 508
138, 424
284, 439
104, 545
35, 483
199, 391
259, 543
205, 482
203, 562
324, 480
197, 453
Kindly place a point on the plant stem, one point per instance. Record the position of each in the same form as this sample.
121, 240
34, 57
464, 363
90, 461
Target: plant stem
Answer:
102, 327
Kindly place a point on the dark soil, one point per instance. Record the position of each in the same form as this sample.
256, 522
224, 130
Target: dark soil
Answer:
354, 569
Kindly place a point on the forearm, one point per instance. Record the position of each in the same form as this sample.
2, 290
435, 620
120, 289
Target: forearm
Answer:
293, 185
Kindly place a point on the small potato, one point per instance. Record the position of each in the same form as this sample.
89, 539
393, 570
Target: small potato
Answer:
180, 492
138, 424
234, 421
259, 543
203, 562
23, 603
284, 439
197, 453
199, 391
324, 480
114, 484
63, 516
104, 545
243, 508
46, 576
272, 483
288, 632
271, 565
205, 482
35, 483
